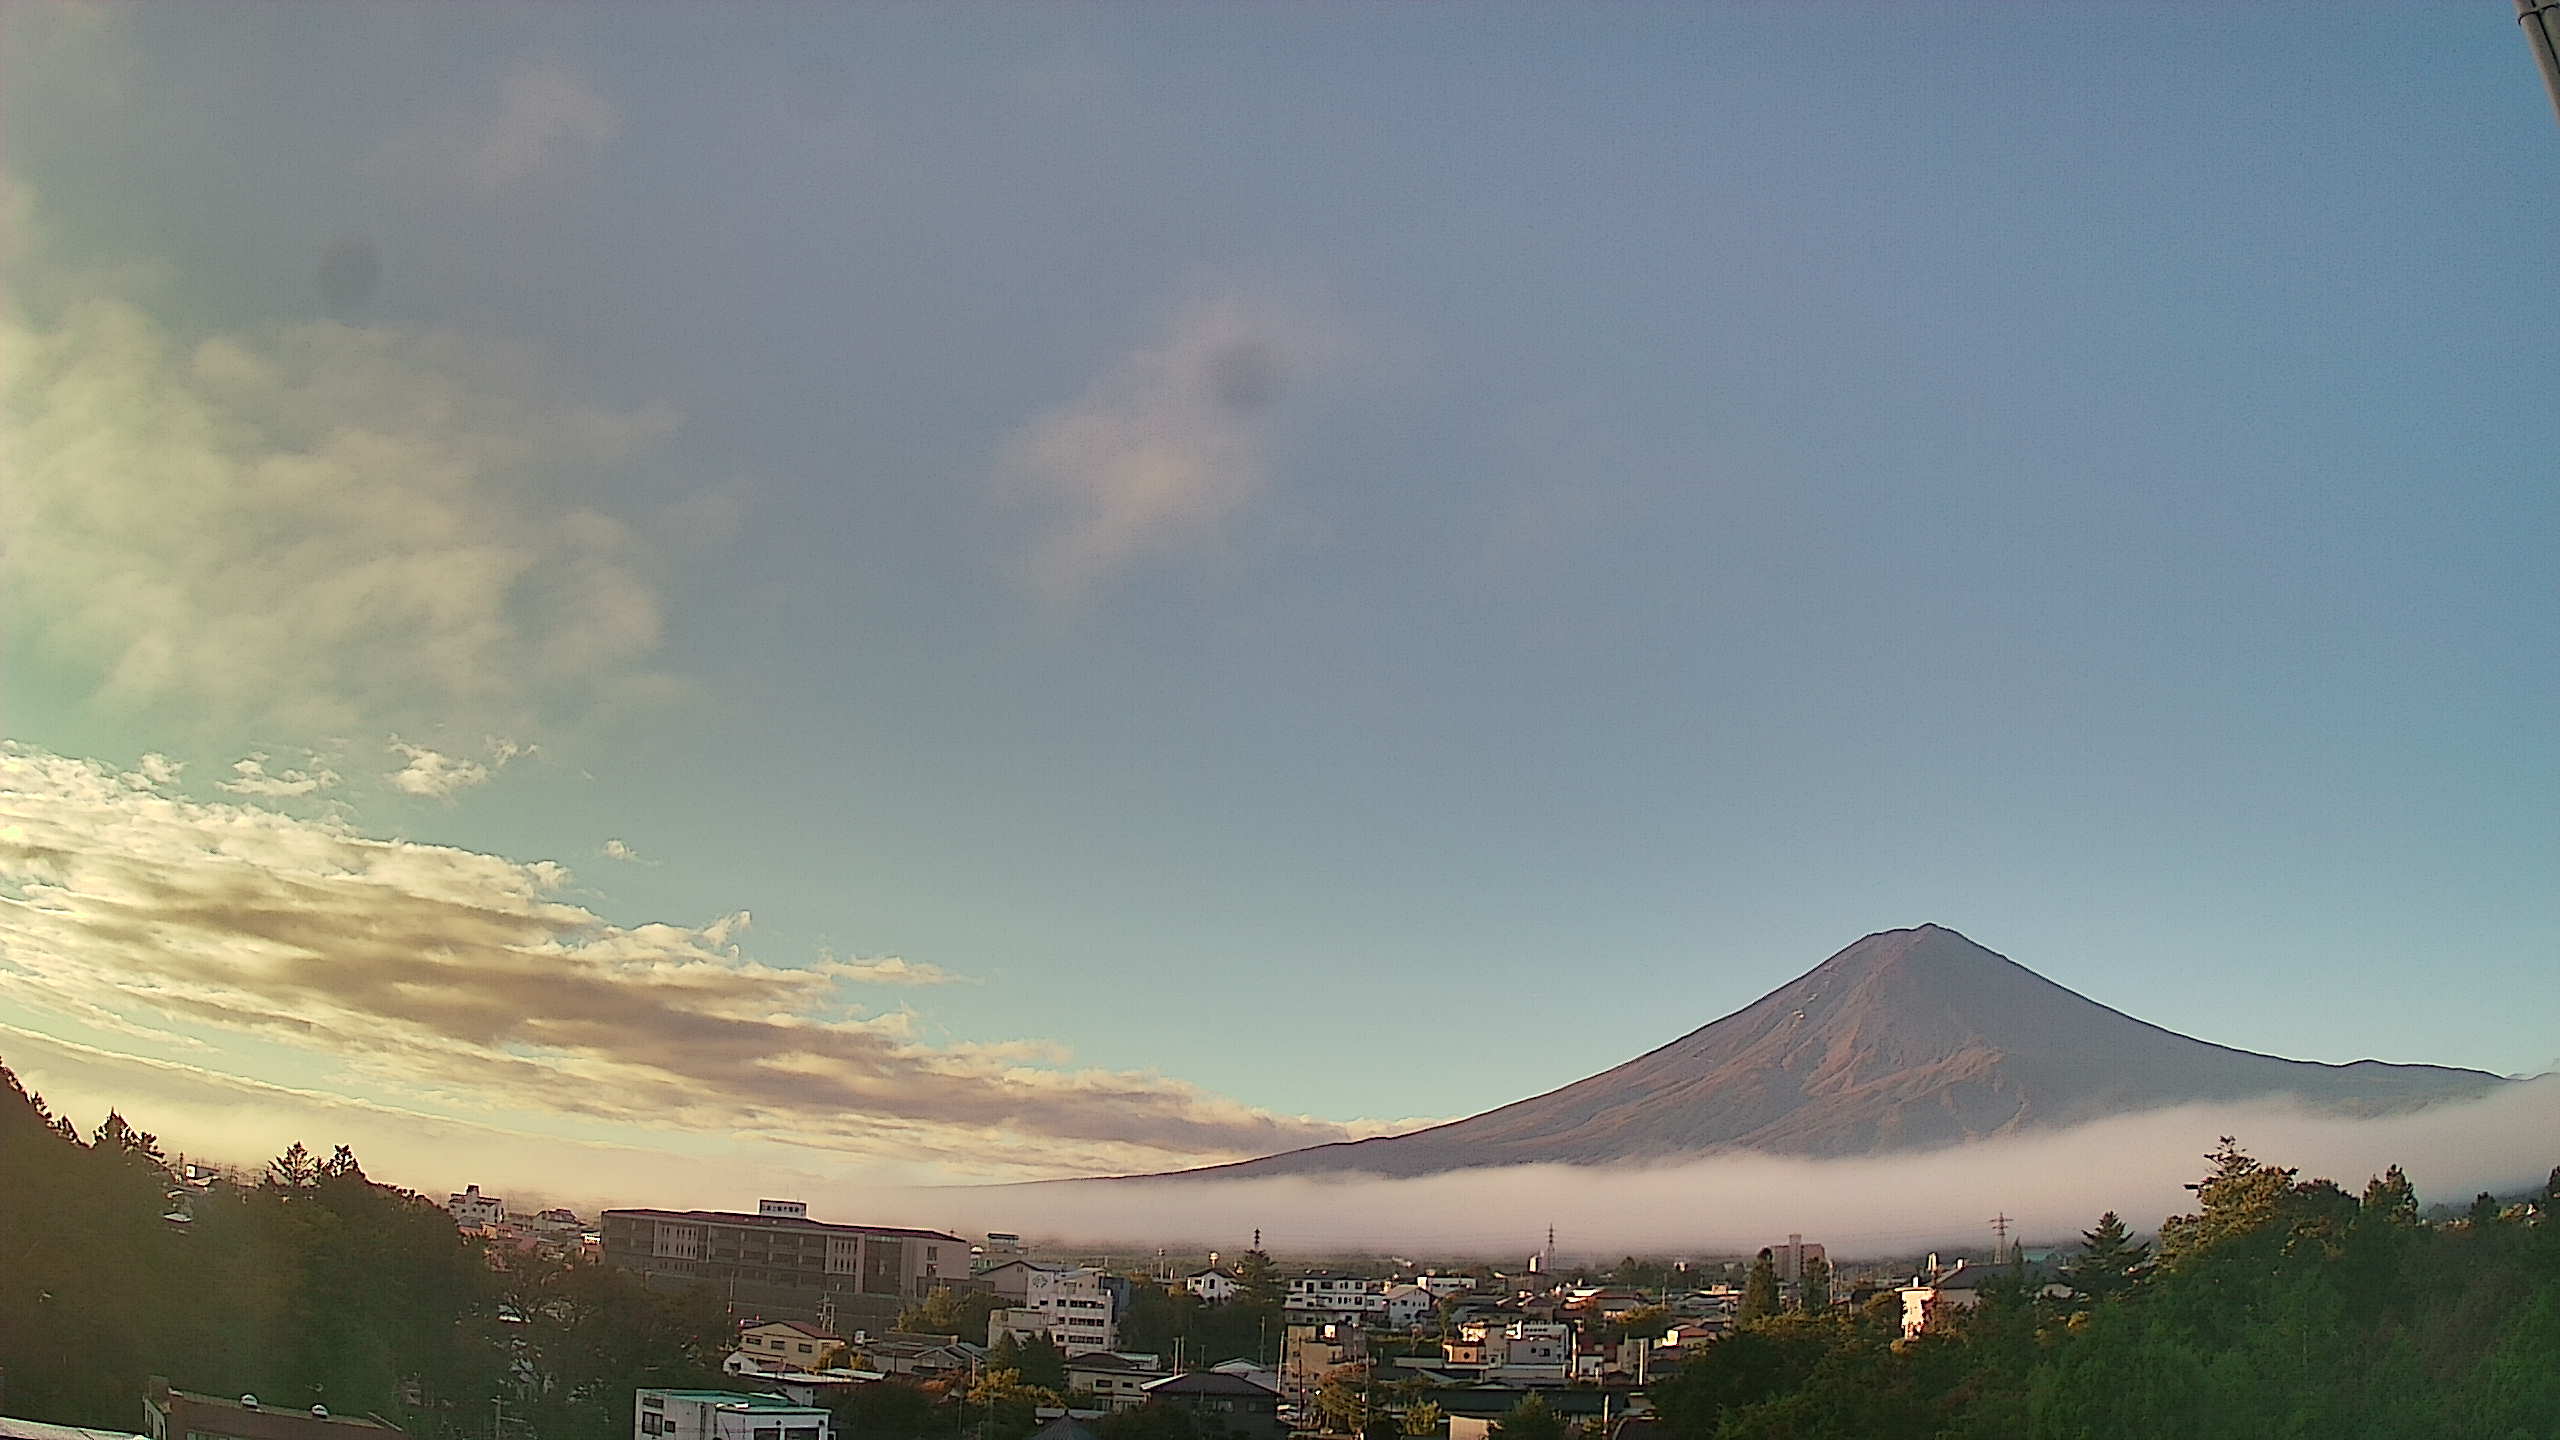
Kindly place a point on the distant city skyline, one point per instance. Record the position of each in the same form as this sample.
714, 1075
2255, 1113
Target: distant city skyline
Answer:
848, 596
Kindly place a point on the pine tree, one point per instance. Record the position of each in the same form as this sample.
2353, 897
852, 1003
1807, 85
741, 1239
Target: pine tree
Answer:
1817, 1285
1258, 1281
293, 1170
1760, 1292
2239, 1198
2483, 1212
2109, 1260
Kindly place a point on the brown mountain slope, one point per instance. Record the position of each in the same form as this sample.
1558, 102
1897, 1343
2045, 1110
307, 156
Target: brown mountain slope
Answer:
1907, 1039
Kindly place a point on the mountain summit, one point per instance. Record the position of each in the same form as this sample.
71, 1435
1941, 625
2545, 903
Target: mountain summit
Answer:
1905, 1040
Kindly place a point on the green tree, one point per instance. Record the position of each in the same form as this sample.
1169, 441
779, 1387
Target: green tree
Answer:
1155, 1420
2483, 1212
1531, 1419
2390, 1199
889, 1410
1036, 1361
2109, 1260
1760, 1291
2241, 1197
950, 1312
1009, 1404
1817, 1285
1423, 1418
1259, 1283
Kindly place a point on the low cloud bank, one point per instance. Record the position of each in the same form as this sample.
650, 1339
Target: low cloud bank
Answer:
2051, 1186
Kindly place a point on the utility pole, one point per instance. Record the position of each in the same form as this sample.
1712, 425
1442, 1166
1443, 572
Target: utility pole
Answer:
2540, 20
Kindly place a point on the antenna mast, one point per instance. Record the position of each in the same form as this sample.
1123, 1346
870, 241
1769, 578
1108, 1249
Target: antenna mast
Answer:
2000, 1238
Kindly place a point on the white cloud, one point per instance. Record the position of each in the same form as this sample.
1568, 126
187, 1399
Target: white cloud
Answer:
439, 776
2052, 1183
320, 527
891, 970
464, 980
617, 850
542, 117
545, 114
250, 776
158, 769
1169, 445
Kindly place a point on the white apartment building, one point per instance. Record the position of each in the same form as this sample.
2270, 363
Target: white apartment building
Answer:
1442, 1286
471, 1209
723, 1415
1072, 1307
1335, 1297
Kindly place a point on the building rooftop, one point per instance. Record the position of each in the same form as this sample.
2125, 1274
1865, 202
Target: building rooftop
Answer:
245, 1419
814, 1332
15, 1429
783, 1222
738, 1399
1210, 1382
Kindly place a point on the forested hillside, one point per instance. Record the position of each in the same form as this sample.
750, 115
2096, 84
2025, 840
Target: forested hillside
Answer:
2278, 1308
311, 1285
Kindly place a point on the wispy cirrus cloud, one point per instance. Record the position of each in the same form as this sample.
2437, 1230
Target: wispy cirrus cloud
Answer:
465, 978
1169, 444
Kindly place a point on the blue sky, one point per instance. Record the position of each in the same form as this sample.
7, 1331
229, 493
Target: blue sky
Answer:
1363, 562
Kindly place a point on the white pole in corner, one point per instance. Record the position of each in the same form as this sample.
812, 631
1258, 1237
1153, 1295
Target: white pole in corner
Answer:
2540, 20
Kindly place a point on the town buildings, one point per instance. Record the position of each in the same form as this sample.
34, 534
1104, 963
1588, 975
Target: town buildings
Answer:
785, 1266
1077, 1310
472, 1210
724, 1415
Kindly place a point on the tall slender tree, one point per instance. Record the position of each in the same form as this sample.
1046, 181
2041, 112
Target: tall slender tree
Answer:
1816, 1285
1760, 1291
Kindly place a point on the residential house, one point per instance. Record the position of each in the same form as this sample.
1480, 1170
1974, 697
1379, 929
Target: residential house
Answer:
1213, 1285
909, 1356
1011, 1279
1528, 1346
1929, 1302
1265, 1376
1446, 1285
788, 1345
1222, 1404
1118, 1381
723, 1415
1405, 1306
